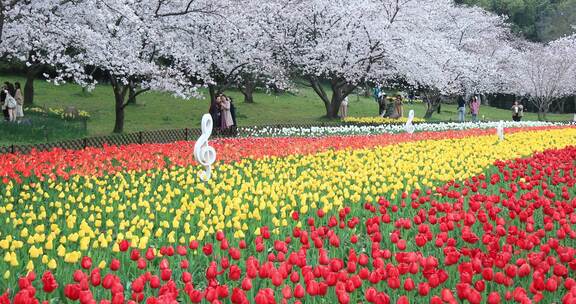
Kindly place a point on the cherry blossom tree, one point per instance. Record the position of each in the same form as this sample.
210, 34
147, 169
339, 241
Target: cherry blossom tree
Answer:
338, 43
8, 15
130, 41
453, 50
229, 50
544, 72
33, 32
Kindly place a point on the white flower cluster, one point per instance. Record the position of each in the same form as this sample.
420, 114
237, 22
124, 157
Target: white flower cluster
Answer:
381, 129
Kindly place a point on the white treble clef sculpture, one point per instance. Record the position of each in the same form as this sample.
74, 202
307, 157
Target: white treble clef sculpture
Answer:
500, 130
203, 153
409, 126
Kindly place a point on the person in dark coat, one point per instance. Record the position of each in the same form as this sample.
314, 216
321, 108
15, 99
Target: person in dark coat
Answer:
3, 102
461, 109
215, 113
233, 110
382, 104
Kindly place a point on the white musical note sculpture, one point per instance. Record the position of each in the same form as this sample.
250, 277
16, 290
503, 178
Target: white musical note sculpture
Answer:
500, 130
409, 126
203, 153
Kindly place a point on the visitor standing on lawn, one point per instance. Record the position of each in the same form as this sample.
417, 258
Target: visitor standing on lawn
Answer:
461, 108
474, 108
226, 120
10, 102
398, 106
517, 111
382, 104
19, 100
3, 101
232, 110
344, 108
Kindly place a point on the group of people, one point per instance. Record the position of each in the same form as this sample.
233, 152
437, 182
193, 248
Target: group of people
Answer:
223, 113
393, 108
517, 111
12, 101
473, 105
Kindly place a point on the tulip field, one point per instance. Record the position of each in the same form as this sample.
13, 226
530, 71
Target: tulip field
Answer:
439, 216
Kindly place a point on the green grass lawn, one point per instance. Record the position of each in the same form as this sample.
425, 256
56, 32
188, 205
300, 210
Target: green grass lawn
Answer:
157, 110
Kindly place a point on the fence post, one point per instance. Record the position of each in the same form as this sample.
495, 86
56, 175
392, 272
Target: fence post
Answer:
186, 134
85, 142
13, 148
140, 137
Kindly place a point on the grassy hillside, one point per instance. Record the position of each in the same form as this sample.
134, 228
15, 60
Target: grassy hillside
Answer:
162, 111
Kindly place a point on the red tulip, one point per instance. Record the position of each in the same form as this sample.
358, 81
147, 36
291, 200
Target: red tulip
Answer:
95, 277
408, 284
242, 244
72, 291
403, 300
287, 292
294, 277
234, 273
155, 282
494, 298
141, 264
423, 289
238, 296
49, 283
86, 262
124, 245
436, 300
165, 274
207, 249
299, 291
114, 265
551, 285
247, 284
186, 277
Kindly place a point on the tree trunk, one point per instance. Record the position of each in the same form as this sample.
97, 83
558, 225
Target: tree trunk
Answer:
433, 101
334, 107
119, 122
131, 94
120, 91
247, 89
317, 86
29, 86
212, 91
431, 109
543, 108
340, 89
541, 115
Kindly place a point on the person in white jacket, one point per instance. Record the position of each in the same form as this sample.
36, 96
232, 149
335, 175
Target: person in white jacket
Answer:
344, 108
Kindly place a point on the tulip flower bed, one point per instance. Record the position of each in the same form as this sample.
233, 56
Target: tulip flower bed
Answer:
60, 163
497, 237
335, 222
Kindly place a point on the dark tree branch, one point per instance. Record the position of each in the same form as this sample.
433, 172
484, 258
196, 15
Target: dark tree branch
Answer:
188, 10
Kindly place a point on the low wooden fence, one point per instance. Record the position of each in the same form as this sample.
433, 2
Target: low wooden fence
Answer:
143, 137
